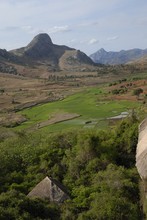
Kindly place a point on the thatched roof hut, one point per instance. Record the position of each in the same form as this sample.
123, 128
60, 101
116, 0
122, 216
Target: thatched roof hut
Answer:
141, 153
49, 189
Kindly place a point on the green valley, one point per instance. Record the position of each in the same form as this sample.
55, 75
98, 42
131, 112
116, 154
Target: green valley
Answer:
93, 105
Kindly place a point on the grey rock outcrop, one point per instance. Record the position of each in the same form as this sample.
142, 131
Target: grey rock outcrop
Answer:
141, 153
49, 189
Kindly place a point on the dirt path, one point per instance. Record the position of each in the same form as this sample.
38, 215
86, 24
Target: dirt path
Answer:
56, 119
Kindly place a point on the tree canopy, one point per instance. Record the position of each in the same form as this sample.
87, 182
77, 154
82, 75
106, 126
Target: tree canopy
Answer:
96, 166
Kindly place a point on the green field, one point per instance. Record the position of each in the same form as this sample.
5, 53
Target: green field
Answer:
91, 104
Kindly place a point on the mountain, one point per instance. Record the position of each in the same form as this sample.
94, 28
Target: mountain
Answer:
41, 50
121, 57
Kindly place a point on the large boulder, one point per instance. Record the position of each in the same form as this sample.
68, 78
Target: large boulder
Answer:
141, 153
49, 189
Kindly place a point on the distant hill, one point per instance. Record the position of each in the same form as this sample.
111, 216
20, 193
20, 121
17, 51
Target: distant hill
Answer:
141, 61
75, 59
121, 57
41, 50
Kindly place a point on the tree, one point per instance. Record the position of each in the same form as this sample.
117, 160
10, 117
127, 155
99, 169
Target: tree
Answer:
137, 92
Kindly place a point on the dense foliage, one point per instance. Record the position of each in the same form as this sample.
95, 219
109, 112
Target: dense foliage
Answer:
97, 168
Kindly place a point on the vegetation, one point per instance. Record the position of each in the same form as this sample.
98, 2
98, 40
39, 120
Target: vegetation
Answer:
91, 104
138, 91
119, 91
96, 166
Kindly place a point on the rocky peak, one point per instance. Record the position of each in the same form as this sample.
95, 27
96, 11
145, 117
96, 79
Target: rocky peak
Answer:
39, 47
40, 40
97, 55
101, 50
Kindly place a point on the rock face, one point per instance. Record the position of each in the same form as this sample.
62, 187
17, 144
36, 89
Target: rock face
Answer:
121, 57
141, 153
39, 47
49, 189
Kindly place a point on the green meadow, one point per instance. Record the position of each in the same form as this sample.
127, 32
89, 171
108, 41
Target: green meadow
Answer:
91, 104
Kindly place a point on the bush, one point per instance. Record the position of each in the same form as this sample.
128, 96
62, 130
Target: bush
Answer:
137, 91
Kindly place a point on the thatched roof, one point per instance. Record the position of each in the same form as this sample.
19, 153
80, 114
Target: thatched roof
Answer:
141, 153
49, 189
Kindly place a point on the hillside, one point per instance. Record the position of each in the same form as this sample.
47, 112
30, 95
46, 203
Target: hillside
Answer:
76, 60
77, 127
140, 61
121, 57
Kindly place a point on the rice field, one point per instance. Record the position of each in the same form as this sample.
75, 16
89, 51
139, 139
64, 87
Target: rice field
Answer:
91, 105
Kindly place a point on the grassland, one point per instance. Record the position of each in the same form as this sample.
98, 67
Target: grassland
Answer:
94, 105
89, 97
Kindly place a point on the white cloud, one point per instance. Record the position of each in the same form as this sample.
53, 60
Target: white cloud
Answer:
88, 23
93, 41
83, 41
72, 41
57, 29
10, 29
112, 38
100, 19
29, 29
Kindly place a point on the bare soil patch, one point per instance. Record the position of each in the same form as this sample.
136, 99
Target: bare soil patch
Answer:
56, 119
11, 120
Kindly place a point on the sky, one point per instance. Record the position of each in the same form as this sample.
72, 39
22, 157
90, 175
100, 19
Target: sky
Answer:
86, 25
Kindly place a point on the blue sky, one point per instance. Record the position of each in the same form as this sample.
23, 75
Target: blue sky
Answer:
87, 25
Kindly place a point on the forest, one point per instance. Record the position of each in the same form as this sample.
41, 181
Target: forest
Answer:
97, 167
